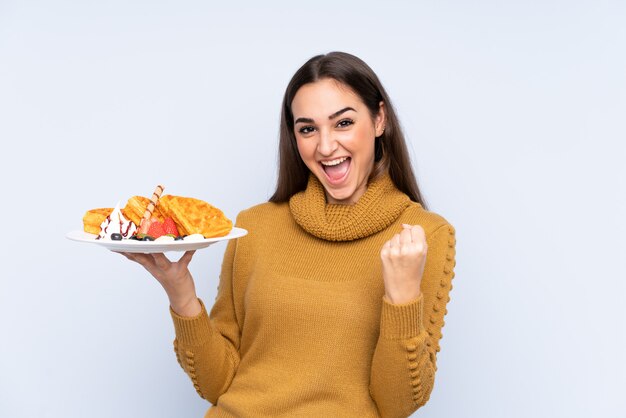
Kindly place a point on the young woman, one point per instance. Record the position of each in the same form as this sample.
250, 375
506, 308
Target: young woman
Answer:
333, 304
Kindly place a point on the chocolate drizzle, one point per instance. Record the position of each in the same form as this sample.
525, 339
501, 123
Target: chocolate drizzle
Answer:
108, 221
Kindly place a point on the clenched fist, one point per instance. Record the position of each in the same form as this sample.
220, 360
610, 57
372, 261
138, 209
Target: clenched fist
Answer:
403, 260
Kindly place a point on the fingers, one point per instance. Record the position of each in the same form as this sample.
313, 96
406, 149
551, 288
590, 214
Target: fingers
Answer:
405, 236
418, 234
416, 231
410, 240
136, 257
146, 260
161, 261
186, 258
395, 241
158, 264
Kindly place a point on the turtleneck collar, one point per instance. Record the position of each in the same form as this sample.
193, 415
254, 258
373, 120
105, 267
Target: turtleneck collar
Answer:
379, 207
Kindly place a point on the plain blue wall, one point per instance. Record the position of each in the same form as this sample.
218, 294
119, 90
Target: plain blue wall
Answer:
515, 116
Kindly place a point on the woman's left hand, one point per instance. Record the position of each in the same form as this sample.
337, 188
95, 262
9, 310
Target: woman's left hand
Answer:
403, 260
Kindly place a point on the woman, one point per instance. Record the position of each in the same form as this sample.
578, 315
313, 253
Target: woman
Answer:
333, 304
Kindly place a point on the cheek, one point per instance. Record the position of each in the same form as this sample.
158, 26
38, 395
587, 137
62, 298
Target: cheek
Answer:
306, 149
363, 142
362, 136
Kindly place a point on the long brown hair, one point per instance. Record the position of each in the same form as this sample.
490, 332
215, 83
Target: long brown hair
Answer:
390, 154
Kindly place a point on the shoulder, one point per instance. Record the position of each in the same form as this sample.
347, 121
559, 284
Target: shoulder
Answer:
432, 222
263, 222
261, 214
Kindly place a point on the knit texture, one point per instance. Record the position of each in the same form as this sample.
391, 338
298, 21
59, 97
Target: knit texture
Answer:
348, 222
300, 327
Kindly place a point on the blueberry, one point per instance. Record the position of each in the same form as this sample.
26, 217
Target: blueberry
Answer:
135, 237
178, 238
147, 238
116, 237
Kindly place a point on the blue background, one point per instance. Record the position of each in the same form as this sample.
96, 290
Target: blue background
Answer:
514, 112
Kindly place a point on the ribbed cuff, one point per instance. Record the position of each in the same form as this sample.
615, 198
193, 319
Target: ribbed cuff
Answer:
193, 330
402, 321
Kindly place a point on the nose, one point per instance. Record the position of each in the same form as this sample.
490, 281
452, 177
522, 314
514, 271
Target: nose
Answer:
327, 144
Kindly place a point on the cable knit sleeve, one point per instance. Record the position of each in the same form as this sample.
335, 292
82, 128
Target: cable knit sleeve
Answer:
207, 347
404, 362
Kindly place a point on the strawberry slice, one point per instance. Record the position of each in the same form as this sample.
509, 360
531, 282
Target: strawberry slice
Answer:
156, 229
170, 227
145, 226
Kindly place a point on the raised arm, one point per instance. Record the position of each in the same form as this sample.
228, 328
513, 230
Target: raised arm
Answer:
405, 358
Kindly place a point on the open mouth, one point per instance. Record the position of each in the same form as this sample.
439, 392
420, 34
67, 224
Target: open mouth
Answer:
336, 170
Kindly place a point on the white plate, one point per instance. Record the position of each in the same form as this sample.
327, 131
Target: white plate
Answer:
133, 246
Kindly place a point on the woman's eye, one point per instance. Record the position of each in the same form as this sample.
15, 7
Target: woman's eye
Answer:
345, 123
306, 129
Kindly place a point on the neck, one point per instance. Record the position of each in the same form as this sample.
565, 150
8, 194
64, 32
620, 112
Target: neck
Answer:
379, 206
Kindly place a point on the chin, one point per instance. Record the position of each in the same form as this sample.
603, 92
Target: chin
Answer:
342, 196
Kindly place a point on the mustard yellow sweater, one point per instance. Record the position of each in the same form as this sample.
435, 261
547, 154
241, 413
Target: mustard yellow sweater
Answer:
300, 327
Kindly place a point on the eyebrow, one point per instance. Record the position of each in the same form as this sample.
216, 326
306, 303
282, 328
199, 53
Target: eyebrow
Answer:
333, 116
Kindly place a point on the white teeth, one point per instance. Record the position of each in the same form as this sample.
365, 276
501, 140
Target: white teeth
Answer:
334, 162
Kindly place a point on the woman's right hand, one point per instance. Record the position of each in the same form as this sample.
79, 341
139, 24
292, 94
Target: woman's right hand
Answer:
175, 279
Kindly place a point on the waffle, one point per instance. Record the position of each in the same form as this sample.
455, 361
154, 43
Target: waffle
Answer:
135, 208
93, 219
191, 216
194, 216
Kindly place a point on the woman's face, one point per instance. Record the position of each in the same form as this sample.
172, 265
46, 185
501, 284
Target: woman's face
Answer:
335, 134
